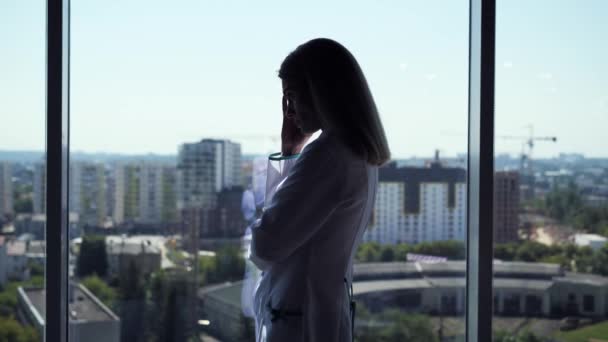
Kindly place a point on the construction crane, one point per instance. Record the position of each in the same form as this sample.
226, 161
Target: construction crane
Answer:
528, 143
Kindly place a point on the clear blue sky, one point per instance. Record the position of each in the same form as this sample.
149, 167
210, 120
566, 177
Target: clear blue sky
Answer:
149, 75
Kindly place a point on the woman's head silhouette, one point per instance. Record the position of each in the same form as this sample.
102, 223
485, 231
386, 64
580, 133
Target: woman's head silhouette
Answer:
325, 88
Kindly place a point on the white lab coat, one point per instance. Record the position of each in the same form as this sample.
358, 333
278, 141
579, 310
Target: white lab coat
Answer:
317, 206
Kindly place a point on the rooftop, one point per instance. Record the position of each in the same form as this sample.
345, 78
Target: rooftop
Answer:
229, 293
389, 270
13, 247
131, 248
394, 276
589, 237
83, 307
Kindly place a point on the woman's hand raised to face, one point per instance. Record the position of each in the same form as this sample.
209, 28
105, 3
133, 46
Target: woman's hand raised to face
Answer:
292, 137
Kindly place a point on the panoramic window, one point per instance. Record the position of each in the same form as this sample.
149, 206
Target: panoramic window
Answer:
551, 179
22, 165
174, 112
176, 116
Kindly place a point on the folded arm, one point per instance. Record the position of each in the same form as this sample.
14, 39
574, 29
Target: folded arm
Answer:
300, 198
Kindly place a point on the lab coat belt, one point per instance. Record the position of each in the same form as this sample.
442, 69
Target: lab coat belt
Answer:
277, 314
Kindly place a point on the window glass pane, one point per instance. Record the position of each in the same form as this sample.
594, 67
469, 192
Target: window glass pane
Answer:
175, 110
22, 169
551, 181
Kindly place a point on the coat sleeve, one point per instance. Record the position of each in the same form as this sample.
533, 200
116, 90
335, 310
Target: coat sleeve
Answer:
276, 172
300, 198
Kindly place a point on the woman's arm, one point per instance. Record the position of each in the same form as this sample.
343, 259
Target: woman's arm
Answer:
297, 206
279, 165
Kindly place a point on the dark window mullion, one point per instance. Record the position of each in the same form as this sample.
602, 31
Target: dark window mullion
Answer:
57, 144
480, 170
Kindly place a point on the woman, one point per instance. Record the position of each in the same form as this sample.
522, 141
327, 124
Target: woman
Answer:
319, 197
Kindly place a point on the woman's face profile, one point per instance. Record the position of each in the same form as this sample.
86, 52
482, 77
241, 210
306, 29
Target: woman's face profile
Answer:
300, 106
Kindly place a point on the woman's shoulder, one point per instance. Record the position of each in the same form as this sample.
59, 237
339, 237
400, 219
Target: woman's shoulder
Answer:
331, 152
328, 148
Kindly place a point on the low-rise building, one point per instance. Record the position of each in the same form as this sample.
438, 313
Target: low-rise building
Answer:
520, 289
220, 309
35, 224
589, 240
122, 252
13, 260
89, 319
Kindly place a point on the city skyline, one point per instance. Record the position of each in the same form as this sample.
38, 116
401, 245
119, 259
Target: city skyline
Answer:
200, 84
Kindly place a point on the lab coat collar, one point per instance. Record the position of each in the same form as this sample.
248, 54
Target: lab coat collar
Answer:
326, 133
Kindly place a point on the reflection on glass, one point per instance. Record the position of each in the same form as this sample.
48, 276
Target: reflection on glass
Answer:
22, 165
551, 181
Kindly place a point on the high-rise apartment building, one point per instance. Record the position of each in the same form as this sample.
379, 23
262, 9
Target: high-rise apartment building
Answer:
417, 204
156, 193
204, 169
39, 188
87, 188
506, 206
6, 189
124, 186
144, 193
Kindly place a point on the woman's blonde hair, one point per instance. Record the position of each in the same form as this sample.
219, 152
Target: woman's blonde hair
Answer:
340, 94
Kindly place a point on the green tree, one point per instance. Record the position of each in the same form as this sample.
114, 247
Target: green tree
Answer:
505, 251
531, 251
24, 205
583, 259
8, 303
451, 249
132, 304
101, 290
405, 327
92, 258
170, 307
387, 253
157, 285
506, 336
559, 259
392, 325
599, 261
207, 270
228, 264
401, 251
368, 252
12, 331
176, 323
36, 269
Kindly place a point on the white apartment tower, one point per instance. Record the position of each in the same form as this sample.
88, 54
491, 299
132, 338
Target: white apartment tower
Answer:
418, 204
144, 193
87, 187
204, 169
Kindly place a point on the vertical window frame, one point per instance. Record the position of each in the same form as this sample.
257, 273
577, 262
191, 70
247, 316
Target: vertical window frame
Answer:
480, 174
57, 162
